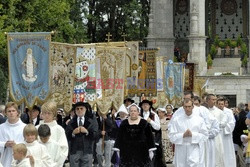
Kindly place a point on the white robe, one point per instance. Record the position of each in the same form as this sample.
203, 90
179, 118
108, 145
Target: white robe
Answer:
188, 149
54, 151
229, 156
10, 132
219, 149
24, 163
208, 153
59, 136
40, 154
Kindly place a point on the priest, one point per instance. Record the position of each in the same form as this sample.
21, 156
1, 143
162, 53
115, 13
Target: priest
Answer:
188, 132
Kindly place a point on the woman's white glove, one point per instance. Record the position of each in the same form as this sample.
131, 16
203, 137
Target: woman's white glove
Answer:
151, 153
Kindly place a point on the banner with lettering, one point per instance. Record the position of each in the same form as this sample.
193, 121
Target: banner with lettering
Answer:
28, 55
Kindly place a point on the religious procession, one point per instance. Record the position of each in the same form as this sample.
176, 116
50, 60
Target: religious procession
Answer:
124, 83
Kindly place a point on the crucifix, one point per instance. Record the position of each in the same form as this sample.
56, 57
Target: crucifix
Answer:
108, 35
124, 36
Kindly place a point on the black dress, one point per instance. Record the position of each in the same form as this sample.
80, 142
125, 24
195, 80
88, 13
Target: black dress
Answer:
134, 141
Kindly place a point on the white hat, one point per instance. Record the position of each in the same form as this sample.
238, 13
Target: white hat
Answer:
122, 109
135, 106
161, 109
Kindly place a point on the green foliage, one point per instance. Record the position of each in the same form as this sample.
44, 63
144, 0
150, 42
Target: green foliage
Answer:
239, 41
244, 61
243, 49
221, 44
213, 50
175, 59
233, 44
209, 60
216, 41
228, 42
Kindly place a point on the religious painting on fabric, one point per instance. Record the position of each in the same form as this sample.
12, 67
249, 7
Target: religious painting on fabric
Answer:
147, 78
112, 72
29, 67
173, 83
63, 57
189, 77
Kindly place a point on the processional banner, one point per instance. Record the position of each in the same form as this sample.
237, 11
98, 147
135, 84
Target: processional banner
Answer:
174, 85
112, 72
85, 88
63, 58
28, 55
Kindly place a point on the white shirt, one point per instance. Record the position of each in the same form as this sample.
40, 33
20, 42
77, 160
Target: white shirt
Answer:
82, 119
154, 123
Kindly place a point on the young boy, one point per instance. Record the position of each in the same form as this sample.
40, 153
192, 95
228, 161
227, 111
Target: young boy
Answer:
19, 155
37, 152
52, 146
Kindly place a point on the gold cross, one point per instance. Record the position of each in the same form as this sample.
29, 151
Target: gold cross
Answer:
28, 21
108, 35
124, 36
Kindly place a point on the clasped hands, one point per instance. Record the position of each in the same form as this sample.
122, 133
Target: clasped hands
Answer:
80, 129
188, 133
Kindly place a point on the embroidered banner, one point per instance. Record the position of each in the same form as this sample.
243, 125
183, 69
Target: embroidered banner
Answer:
112, 74
174, 82
85, 77
29, 67
63, 58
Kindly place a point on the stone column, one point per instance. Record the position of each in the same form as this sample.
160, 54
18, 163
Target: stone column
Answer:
197, 38
161, 27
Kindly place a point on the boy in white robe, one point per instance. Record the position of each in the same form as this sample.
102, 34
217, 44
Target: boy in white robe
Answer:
52, 146
188, 132
19, 155
11, 133
49, 114
37, 152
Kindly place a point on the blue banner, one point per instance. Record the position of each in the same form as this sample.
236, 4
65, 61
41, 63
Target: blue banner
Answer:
29, 67
174, 80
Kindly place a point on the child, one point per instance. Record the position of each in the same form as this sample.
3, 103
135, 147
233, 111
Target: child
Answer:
52, 146
19, 155
37, 152
49, 114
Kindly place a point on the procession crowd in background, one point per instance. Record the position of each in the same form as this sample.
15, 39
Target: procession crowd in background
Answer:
204, 132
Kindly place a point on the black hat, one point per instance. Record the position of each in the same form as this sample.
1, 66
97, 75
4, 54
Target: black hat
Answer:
128, 100
86, 105
146, 101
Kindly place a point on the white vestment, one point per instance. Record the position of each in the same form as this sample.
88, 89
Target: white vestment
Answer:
40, 154
219, 149
54, 151
188, 149
59, 136
10, 132
24, 163
229, 156
208, 153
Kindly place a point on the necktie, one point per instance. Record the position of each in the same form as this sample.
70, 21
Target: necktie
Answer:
80, 121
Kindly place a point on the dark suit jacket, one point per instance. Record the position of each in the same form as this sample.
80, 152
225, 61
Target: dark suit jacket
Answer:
239, 127
109, 124
82, 142
2, 119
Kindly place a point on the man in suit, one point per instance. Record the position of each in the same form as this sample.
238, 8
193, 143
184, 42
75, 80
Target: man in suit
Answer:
34, 115
81, 132
2, 116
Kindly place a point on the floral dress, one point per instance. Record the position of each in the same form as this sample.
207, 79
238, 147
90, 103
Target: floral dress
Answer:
167, 146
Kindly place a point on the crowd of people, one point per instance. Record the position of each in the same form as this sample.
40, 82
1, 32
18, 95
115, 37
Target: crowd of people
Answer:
204, 132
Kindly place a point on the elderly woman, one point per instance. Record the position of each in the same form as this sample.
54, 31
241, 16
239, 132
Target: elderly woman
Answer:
135, 141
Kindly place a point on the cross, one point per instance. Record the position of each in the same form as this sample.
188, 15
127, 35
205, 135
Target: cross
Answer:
28, 21
108, 35
124, 36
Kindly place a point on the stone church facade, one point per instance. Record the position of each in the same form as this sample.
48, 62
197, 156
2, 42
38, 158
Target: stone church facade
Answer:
191, 26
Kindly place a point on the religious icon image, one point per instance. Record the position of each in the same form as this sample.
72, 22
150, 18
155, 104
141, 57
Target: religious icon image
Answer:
29, 64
